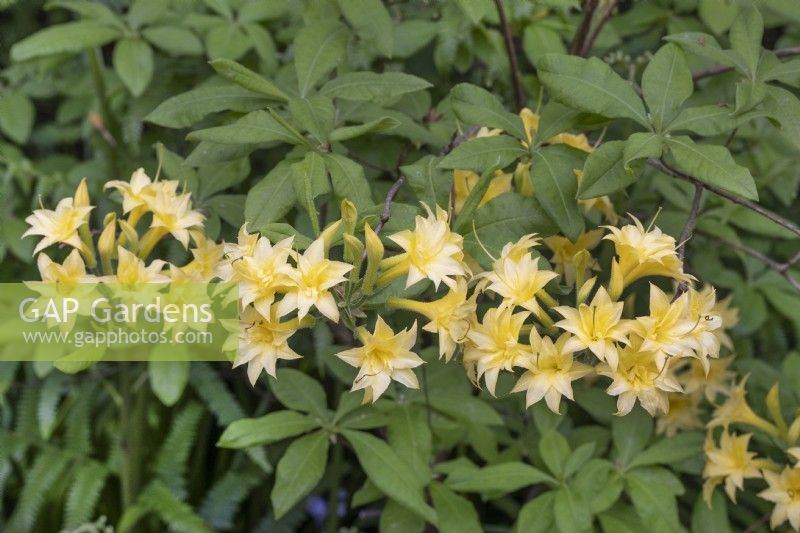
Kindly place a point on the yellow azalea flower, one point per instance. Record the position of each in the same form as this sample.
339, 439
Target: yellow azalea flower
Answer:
450, 316
784, 492
384, 356
522, 179
712, 381
465, 180
579, 141
206, 256
643, 253
494, 344
137, 192
700, 311
530, 121
430, 251
683, 414
59, 226
729, 316
735, 409
730, 462
261, 275
174, 214
565, 253
263, 341
232, 252
596, 326
666, 329
519, 281
311, 282
131, 270
72, 270
518, 249
550, 371
639, 376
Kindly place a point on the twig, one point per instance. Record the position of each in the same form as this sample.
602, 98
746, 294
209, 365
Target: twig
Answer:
666, 169
589, 7
386, 214
686, 232
758, 523
519, 95
589, 41
457, 139
713, 70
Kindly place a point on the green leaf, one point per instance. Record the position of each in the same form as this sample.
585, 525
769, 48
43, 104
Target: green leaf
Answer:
87, 9
706, 46
173, 40
475, 9
349, 181
396, 519
598, 483
227, 40
749, 220
133, 61
631, 433
556, 186
257, 127
373, 86
537, 516
540, 39
315, 114
478, 107
712, 519
299, 471
310, 180
653, 491
713, 165
389, 473
84, 492
578, 458
64, 38
571, 512
168, 379
318, 49
271, 198
378, 125
642, 146
267, 429
666, 84
300, 392
783, 106
183, 110
465, 407
746, 34
277, 231
554, 449
483, 153
704, 120
372, 23
244, 77
670, 450
590, 85
431, 184
456, 513
409, 434
17, 116
500, 478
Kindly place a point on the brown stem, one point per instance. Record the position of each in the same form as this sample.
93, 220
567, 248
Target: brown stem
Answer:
386, 214
713, 70
589, 42
589, 7
519, 95
688, 227
753, 206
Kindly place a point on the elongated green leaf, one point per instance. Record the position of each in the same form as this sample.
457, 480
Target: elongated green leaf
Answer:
556, 186
465, 216
397, 519
310, 180
483, 153
653, 491
318, 49
571, 512
133, 61
706, 46
537, 516
642, 146
373, 86
300, 392
265, 430
713, 165
372, 23
299, 471
168, 379
244, 77
315, 114
554, 449
17, 116
465, 408
64, 38
631, 433
456, 513
704, 120
389, 473
271, 198
666, 84
431, 184
348, 180
185, 109
374, 126
671, 450
84, 492
173, 40
478, 107
410, 436
502, 478
256, 127
590, 85
746, 34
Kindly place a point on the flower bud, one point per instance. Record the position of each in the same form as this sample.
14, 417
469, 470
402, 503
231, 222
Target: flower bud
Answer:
106, 244
81, 198
130, 235
349, 216
374, 256
328, 235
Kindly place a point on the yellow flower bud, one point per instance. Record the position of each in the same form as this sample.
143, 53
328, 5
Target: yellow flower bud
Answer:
129, 234
374, 256
349, 216
773, 403
353, 252
585, 290
81, 195
106, 244
328, 235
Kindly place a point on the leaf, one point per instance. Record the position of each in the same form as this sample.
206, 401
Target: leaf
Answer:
315, 113
578, 458
378, 125
396, 519
712, 519
299, 471
173, 456
670, 450
746, 34
318, 49
666, 84
475, 9
244, 77
642, 146
484, 152
310, 180
783, 106
348, 180
173, 40
590, 85
537, 515
178, 515
84, 492
300, 392
653, 491
713, 165
500, 478
277, 231
431, 184
64, 38
631, 433
168, 379
271, 198
372, 23
409, 435
465, 407
456, 513
704, 120
373, 86
389, 473
478, 107
267, 429
571, 512
222, 502
706, 46
227, 40
133, 61
540, 39
257, 127
183, 110
556, 187
17, 116
554, 449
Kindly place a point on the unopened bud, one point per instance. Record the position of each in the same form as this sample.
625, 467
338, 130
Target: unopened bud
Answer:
328, 235
81, 198
349, 216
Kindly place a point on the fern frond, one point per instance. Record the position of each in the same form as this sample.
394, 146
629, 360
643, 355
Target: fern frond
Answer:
49, 400
78, 422
46, 469
174, 452
84, 493
156, 498
223, 500
219, 400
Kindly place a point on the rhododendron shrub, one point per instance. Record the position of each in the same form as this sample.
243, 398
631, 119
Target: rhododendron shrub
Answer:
500, 265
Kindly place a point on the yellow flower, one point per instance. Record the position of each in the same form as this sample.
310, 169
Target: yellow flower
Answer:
519, 281
639, 376
72, 270
597, 326
666, 329
139, 191
550, 371
450, 316
730, 317
131, 270
232, 252
384, 356
517, 250
530, 121
735, 409
578, 141
174, 214
206, 256
730, 462
263, 341
566, 260
311, 282
643, 253
431, 251
494, 344
683, 414
59, 226
784, 492
465, 180
701, 312
711, 381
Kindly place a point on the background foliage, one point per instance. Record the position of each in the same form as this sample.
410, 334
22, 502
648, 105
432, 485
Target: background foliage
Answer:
228, 96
